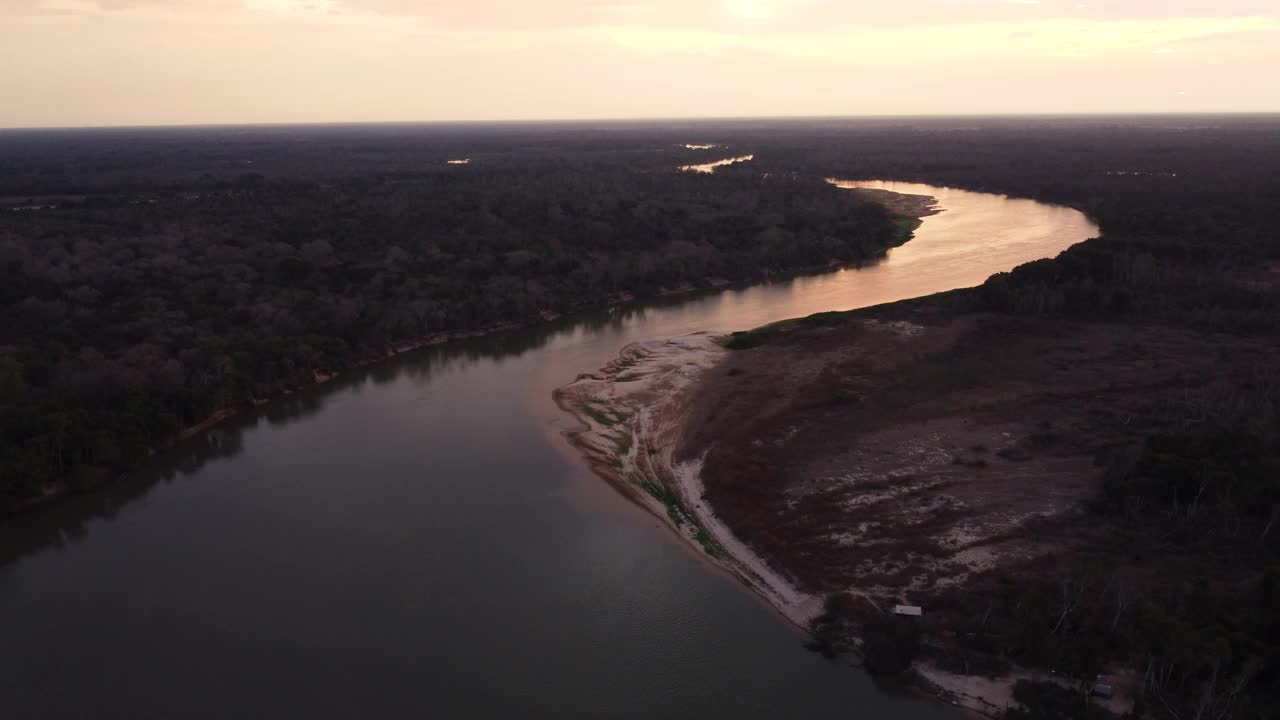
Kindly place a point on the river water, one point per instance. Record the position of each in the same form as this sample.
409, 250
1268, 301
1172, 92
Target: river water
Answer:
417, 540
711, 166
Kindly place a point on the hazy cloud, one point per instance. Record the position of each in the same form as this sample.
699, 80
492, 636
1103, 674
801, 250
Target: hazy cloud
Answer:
795, 14
776, 14
163, 61
73, 7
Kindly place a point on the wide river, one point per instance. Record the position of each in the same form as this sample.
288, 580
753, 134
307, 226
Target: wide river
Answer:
417, 540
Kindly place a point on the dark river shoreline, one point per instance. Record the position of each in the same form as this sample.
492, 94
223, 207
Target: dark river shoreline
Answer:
415, 538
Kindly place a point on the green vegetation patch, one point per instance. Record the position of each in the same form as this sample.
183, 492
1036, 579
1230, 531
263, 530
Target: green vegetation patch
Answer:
676, 509
601, 417
623, 444
709, 545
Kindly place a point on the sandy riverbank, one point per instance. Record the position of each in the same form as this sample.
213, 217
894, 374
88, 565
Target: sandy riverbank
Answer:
645, 417
634, 411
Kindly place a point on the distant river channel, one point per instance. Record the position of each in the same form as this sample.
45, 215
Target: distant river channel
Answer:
418, 540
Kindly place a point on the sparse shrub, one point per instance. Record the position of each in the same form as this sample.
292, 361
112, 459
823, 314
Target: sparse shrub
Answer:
889, 645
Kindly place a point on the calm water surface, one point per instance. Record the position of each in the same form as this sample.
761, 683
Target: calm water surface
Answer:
711, 166
417, 540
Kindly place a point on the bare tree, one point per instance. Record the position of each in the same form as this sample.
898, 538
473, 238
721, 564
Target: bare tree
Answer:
1072, 591
1218, 697
1275, 513
1122, 583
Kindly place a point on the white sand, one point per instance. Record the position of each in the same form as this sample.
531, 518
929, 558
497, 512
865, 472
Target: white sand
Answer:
635, 410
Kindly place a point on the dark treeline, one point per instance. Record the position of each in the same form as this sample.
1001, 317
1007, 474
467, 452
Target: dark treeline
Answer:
149, 279
1174, 576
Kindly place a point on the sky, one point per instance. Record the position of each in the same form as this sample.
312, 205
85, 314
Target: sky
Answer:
164, 62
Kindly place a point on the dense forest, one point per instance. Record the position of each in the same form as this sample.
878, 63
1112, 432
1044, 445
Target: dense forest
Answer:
151, 281
151, 278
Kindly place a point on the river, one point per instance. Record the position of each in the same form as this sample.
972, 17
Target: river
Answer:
710, 167
418, 539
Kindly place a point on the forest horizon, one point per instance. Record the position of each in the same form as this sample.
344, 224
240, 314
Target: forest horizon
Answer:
184, 62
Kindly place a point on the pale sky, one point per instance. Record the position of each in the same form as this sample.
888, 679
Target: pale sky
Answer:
156, 62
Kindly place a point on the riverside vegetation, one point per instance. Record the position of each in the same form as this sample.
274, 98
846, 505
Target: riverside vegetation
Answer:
150, 280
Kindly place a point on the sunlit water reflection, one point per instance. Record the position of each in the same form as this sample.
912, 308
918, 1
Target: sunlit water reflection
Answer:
711, 166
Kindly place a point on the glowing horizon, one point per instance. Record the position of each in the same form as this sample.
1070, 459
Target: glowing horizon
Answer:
180, 62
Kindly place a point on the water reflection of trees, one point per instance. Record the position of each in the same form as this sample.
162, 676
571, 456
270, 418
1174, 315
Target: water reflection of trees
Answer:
68, 522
